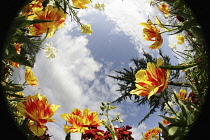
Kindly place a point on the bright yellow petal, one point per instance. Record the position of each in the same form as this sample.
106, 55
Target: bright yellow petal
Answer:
154, 91
64, 116
160, 61
141, 75
151, 69
38, 130
160, 24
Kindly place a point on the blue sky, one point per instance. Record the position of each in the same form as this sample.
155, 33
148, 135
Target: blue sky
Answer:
76, 78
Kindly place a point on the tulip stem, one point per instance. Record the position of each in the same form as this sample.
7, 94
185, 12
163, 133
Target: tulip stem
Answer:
169, 30
182, 84
40, 41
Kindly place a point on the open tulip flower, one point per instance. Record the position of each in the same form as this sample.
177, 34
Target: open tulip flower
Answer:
37, 109
182, 95
56, 16
30, 78
151, 33
81, 120
152, 80
164, 8
81, 3
151, 133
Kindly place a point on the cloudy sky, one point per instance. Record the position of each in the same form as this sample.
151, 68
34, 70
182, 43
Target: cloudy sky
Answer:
76, 77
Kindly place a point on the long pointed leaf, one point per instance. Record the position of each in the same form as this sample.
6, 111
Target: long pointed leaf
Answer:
20, 22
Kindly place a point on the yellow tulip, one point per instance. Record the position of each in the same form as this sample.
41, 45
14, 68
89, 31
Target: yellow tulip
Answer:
30, 78
151, 33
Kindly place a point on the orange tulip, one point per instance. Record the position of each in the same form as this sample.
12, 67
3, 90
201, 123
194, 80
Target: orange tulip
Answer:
152, 80
81, 120
57, 16
151, 133
151, 33
37, 109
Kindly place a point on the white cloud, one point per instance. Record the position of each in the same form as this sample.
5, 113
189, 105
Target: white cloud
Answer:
138, 131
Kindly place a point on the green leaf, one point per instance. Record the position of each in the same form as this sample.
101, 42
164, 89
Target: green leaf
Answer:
15, 95
177, 133
20, 38
19, 59
164, 129
13, 88
187, 25
172, 130
22, 22
178, 67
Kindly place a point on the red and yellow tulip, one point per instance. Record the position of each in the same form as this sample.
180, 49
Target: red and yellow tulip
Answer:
152, 80
164, 8
81, 120
56, 16
151, 133
37, 109
151, 33
182, 95
32, 7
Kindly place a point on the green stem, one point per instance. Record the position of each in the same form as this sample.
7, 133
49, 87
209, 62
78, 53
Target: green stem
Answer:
169, 25
40, 41
112, 127
74, 14
169, 30
183, 84
178, 67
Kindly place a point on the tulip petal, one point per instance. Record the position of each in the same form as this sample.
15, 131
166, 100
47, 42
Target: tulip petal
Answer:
38, 130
